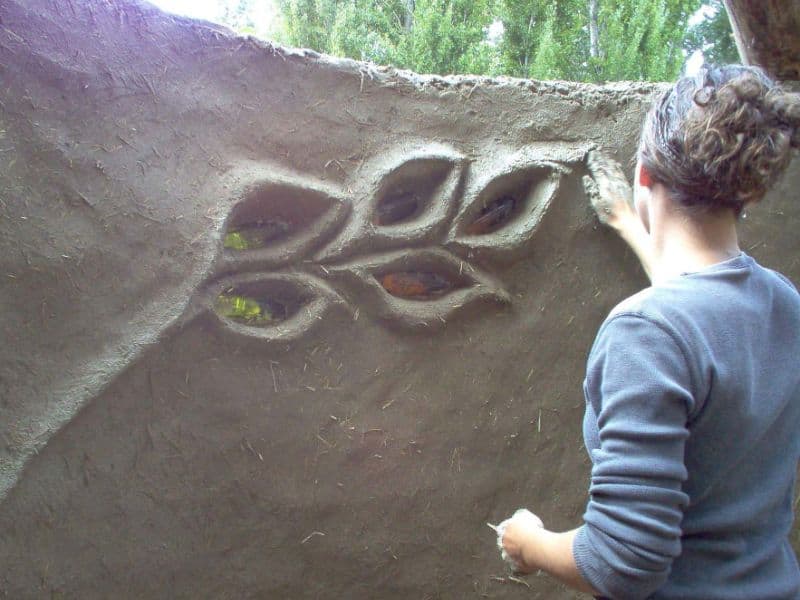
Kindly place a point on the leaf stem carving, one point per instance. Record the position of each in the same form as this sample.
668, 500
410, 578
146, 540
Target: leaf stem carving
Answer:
417, 199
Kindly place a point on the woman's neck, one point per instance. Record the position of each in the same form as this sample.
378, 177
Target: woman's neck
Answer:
685, 242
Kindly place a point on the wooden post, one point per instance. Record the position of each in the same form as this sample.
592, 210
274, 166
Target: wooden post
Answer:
767, 34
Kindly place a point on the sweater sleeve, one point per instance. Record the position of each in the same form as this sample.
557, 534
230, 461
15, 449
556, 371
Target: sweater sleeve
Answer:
638, 384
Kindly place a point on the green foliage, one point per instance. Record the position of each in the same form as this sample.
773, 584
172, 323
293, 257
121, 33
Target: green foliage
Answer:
714, 36
445, 36
365, 31
308, 23
643, 39
543, 39
637, 39
547, 60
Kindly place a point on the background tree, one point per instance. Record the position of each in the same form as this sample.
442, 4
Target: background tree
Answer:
308, 23
429, 36
595, 40
446, 36
713, 35
542, 38
641, 39
367, 30
582, 40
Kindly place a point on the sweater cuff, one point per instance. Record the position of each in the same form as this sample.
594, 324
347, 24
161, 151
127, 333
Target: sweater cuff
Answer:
590, 565
584, 555
600, 574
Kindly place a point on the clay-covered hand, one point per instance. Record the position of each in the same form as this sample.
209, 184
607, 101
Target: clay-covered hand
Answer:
512, 537
608, 189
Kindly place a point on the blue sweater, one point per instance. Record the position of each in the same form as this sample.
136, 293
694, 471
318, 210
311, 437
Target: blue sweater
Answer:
693, 427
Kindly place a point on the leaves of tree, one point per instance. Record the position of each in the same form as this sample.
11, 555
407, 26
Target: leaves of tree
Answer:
581, 40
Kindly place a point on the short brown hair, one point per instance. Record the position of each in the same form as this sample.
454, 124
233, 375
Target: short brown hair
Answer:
722, 138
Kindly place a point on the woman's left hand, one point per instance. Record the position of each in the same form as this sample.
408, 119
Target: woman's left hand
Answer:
515, 536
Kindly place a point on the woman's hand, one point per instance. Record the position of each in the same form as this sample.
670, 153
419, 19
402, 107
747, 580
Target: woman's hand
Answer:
612, 199
527, 547
514, 538
609, 191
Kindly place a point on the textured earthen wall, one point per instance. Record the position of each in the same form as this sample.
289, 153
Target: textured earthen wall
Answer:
429, 277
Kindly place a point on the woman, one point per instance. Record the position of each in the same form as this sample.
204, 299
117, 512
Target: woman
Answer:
693, 385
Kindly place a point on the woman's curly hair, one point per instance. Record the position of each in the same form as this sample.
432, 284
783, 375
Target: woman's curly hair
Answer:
721, 139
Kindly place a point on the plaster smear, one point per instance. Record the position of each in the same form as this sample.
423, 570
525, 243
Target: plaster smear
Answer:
279, 325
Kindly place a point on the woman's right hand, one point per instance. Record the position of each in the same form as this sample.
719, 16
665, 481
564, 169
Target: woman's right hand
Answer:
608, 189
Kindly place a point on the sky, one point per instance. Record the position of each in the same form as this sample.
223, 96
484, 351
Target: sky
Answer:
212, 10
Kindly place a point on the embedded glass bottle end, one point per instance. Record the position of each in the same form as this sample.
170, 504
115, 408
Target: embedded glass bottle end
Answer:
416, 285
493, 216
257, 234
250, 310
399, 206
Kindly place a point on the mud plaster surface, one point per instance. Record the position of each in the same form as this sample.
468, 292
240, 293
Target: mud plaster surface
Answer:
153, 449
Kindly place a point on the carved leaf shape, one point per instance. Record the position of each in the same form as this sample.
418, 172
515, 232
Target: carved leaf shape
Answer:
410, 192
270, 307
502, 213
410, 200
419, 287
279, 218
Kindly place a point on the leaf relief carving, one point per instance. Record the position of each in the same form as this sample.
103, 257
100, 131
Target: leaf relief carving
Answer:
505, 207
420, 287
409, 201
278, 219
271, 307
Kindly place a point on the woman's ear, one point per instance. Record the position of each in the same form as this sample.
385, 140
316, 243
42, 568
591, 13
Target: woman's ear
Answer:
644, 177
641, 194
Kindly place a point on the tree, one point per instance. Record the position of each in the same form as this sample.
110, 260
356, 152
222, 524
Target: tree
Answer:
308, 23
594, 31
595, 40
713, 36
642, 39
366, 30
583, 40
433, 36
542, 32
446, 36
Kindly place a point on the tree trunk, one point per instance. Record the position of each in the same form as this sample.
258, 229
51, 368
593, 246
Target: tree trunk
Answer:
528, 42
408, 19
593, 30
766, 35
